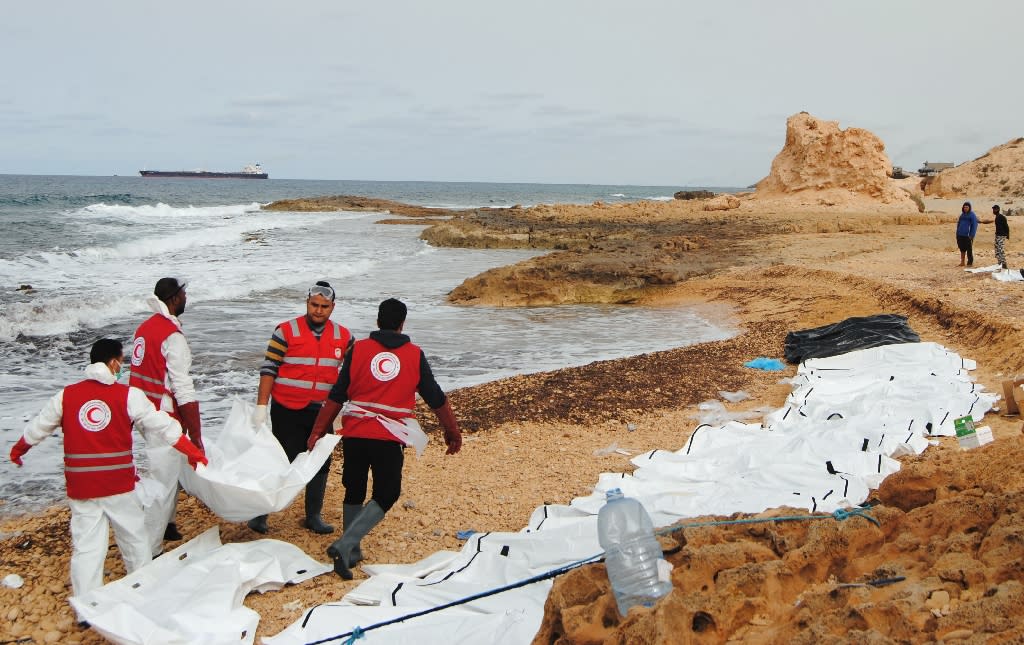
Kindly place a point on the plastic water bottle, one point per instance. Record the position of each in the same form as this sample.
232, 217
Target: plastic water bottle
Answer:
632, 553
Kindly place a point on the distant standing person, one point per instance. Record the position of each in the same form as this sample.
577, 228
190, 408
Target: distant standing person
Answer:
96, 416
1002, 236
966, 228
161, 360
300, 367
379, 378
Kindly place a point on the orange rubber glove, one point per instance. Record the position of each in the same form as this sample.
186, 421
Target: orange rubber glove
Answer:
452, 436
19, 449
191, 422
195, 454
324, 422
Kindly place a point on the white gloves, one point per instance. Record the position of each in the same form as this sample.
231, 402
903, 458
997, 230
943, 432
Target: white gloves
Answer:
259, 417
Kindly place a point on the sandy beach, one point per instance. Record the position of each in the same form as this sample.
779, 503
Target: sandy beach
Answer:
951, 521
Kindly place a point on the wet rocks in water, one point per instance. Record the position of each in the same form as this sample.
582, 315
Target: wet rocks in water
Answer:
693, 194
356, 203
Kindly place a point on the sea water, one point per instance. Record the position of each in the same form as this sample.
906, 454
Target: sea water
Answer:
78, 256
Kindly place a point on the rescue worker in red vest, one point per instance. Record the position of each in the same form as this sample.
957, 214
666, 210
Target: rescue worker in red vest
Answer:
379, 379
161, 360
301, 364
97, 416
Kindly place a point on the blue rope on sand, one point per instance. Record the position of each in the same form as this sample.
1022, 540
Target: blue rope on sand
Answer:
358, 632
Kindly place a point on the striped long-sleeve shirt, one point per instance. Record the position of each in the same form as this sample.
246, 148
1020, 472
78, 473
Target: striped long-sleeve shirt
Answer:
278, 347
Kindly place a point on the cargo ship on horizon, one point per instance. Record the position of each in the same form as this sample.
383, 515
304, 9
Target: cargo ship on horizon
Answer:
252, 171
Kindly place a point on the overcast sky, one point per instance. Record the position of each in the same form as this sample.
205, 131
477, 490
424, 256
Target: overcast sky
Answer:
657, 92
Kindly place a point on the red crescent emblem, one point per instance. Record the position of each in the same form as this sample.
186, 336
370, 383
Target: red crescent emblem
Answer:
94, 415
385, 366
138, 351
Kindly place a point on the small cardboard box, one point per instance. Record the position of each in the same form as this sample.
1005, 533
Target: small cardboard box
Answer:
964, 426
979, 437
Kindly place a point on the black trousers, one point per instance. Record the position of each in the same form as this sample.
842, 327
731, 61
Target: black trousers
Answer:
383, 458
292, 428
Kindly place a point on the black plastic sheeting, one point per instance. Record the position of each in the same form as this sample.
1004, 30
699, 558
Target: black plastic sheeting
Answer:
848, 335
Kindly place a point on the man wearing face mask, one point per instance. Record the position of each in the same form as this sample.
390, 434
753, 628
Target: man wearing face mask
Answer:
161, 360
97, 416
299, 368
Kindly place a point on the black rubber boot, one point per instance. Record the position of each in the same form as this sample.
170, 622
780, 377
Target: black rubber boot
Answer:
259, 524
315, 490
341, 550
171, 533
349, 512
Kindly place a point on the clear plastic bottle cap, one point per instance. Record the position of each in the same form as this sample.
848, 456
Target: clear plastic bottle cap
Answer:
613, 493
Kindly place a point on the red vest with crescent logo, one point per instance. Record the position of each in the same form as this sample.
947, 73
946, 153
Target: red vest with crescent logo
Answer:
310, 365
149, 366
384, 381
97, 440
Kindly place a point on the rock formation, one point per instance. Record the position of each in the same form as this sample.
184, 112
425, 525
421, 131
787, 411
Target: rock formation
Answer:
999, 173
723, 202
693, 194
836, 165
818, 155
356, 203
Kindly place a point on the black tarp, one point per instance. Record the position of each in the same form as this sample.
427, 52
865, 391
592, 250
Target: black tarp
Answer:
859, 332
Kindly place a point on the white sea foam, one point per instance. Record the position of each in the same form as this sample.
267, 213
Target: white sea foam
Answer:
144, 247
225, 258
161, 210
52, 316
247, 270
71, 307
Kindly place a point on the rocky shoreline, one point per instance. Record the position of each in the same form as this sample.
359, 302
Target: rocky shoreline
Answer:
950, 523
326, 204
802, 270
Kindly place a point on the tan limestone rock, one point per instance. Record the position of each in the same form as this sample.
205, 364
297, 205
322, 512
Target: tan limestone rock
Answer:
723, 202
823, 165
998, 174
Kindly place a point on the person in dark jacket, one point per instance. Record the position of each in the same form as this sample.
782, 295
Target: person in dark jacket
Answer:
966, 228
1002, 235
379, 380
